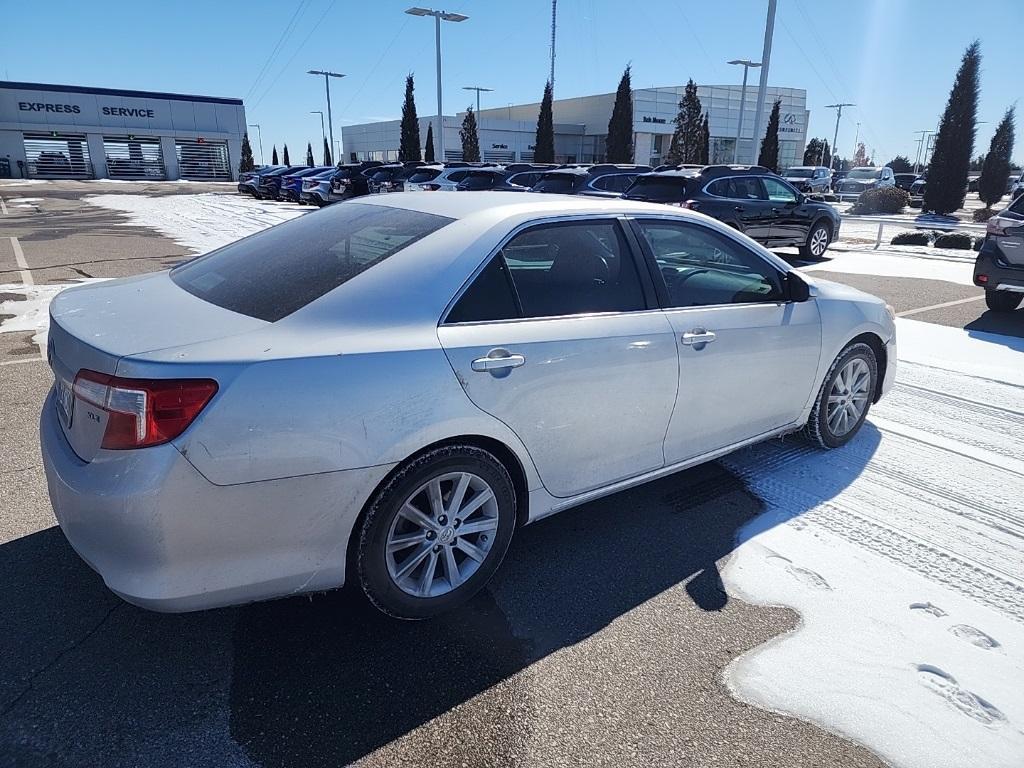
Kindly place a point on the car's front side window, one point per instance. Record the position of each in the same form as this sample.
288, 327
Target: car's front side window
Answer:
778, 192
701, 267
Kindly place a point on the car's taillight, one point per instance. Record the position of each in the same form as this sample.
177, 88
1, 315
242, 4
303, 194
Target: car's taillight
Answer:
143, 412
692, 205
430, 187
997, 225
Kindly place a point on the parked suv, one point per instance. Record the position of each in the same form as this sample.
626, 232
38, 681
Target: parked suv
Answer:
270, 183
316, 189
351, 180
999, 267
1017, 189
391, 177
905, 181
604, 180
751, 199
291, 183
810, 179
862, 179
249, 181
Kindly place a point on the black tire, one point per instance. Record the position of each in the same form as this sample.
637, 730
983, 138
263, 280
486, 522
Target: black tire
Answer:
807, 250
817, 429
1002, 301
371, 562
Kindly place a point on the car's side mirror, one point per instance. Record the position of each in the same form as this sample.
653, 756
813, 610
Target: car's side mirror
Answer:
799, 289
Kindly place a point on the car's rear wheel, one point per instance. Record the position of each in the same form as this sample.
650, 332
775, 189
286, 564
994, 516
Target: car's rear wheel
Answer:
1002, 301
436, 532
818, 240
844, 399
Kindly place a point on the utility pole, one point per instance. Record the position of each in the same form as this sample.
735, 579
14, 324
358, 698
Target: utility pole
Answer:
835, 136
327, 85
856, 138
766, 55
259, 133
477, 88
322, 131
920, 147
439, 16
747, 64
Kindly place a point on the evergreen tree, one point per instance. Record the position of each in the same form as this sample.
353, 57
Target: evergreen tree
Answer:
246, 163
769, 156
954, 143
428, 153
327, 153
826, 155
409, 146
286, 159
900, 164
310, 162
273, 157
686, 139
470, 140
619, 143
817, 153
860, 157
996, 171
977, 163
544, 144
705, 142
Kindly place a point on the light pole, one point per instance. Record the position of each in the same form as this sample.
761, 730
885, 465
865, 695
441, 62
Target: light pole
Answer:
327, 85
856, 138
477, 88
920, 146
260, 134
747, 64
438, 17
766, 56
835, 136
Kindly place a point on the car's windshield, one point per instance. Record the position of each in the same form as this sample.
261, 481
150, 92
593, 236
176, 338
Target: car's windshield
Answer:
800, 173
277, 271
556, 182
658, 189
864, 173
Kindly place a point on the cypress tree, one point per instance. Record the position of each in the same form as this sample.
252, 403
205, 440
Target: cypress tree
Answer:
409, 146
826, 154
996, 170
544, 144
287, 160
470, 140
310, 162
769, 156
428, 153
954, 143
273, 157
619, 144
327, 153
705, 142
687, 137
246, 163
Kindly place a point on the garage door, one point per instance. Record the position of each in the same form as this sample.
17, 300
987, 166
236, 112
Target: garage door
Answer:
134, 157
202, 160
57, 156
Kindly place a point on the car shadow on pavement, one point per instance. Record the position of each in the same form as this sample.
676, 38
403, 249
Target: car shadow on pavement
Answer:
1010, 324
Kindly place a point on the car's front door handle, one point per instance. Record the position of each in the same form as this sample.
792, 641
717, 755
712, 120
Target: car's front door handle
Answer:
738, 208
498, 360
698, 337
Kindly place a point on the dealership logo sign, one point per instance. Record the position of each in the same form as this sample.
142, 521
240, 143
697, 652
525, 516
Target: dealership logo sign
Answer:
649, 119
38, 106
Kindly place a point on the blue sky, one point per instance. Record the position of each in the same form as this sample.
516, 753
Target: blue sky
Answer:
895, 59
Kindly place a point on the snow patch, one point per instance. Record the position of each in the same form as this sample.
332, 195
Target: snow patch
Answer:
31, 313
25, 200
937, 264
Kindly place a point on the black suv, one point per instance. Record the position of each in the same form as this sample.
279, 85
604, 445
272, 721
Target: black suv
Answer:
999, 267
604, 180
350, 180
752, 199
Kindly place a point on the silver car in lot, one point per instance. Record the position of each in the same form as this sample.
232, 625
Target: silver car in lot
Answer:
384, 390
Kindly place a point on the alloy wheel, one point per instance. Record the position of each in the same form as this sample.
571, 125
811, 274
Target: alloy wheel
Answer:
441, 535
819, 241
848, 398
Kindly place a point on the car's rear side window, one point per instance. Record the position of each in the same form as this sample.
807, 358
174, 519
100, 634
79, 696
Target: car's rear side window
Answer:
657, 189
277, 271
555, 182
428, 174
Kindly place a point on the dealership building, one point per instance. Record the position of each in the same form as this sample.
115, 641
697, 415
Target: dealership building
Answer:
71, 132
507, 134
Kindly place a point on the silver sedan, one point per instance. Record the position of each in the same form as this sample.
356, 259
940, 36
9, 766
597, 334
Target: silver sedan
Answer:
384, 390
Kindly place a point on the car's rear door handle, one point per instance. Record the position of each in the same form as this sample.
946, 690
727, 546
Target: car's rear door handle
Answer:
498, 360
698, 337
739, 208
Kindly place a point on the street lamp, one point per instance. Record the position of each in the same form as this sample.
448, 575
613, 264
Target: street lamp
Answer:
747, 64
322, 132
260, 134
327, 85
477, 88
835, 136
438, 17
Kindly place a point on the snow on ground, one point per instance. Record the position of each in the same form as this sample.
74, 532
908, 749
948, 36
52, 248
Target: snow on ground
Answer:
31, 311
895, 261
201, 222
902, 553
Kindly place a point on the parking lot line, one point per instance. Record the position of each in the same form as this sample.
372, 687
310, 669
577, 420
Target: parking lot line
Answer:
3, 206
19, 257
22, 362
919, 310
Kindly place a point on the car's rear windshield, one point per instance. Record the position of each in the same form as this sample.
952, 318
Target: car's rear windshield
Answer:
479, 180
277, 271
799, 173
658, 189
864, 173
427, 174
556, 182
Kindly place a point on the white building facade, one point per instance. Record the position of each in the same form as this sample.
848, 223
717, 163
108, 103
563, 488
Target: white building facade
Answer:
581, 126
62, 131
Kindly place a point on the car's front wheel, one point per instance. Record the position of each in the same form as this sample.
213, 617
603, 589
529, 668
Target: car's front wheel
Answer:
844, 398
436, 532
1002, 301
818, 240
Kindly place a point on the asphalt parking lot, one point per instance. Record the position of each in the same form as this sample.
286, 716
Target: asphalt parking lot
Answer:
602, 640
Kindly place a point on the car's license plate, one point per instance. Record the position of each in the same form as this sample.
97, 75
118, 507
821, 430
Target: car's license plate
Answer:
65, 401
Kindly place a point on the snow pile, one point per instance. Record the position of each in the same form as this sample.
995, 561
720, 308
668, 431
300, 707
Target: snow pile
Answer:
32, 312
200, 222
902, 553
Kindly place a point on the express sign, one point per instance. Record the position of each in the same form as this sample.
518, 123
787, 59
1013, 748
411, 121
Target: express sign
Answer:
38, 106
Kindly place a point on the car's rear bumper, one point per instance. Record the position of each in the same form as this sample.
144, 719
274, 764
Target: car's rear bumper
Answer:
313, 196
993, 272
165, 538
